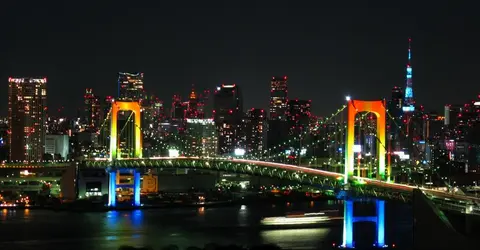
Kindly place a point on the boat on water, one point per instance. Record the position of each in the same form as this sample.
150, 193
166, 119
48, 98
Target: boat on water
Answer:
303, 220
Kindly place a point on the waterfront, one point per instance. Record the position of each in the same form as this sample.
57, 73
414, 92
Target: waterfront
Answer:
40, 229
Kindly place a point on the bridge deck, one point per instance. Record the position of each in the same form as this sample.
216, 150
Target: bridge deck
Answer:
273, 165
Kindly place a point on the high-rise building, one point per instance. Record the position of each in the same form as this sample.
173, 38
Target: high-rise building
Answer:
92, 110
178, 108
152, 113
228, 103
201, 137
409, 104
452, 113
228, 112
192, 106
205, 105
278, 98
130, 86
298, 114
255, 131
434, 126
27, 107
4, 139
57, 145
395, 105
396, 102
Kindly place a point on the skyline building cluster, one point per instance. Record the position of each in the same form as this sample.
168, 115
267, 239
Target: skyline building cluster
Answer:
188, 123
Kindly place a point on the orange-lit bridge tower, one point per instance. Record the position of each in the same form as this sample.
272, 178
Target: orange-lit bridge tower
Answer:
378, 108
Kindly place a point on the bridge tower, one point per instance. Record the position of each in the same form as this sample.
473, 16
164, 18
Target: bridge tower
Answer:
112, 186
349, 219
114, 147
378, 108
115, 152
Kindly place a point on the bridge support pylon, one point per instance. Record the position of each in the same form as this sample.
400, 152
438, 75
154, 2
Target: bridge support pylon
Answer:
118, 106
378, 108
112, 187
349, 219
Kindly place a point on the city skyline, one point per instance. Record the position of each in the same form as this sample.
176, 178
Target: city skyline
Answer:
352, 124
336, 52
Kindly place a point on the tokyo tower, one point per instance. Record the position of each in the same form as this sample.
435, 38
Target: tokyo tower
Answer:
409, 102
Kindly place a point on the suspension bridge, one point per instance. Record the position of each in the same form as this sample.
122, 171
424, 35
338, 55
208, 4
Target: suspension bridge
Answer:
337, 138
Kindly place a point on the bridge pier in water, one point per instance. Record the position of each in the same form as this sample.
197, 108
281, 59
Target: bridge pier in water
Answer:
349, 219
112, 187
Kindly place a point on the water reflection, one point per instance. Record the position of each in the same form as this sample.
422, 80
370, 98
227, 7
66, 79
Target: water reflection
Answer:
4, 214
137, 219
243, 216
157, 228
295, 238
201, 211
112, 220
126, 228
26, 214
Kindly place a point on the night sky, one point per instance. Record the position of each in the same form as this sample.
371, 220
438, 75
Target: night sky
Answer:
327, 50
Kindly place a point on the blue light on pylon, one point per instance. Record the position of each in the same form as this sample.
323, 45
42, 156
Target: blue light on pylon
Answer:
112, 189
349, 219
136, 189
348, 225
380, 223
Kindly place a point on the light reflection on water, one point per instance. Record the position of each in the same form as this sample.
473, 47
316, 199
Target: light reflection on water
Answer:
37, 229
293, 238
243, 216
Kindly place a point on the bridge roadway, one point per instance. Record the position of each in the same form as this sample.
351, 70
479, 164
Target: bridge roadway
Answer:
372, 182
383, 184
438, 194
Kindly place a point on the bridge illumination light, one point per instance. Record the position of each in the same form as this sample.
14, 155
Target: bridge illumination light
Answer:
173, 152
357, 148
239, 152
348, 98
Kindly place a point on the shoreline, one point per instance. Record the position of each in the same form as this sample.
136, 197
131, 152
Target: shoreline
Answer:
97, 207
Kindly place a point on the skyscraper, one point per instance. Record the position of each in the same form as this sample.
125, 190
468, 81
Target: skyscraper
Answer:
298, 114
228, 112
152, 114
278, 98
409, 104
396, 102
395, 105
255, 130
130, 86
178, 108
92, 110
27, 106
202, 138
228, 103
192, 107
205, 104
